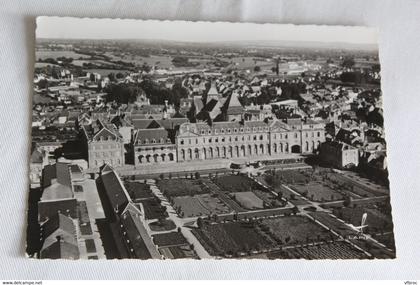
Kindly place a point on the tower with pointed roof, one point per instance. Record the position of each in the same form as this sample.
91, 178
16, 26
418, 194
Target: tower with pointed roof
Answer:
232, 109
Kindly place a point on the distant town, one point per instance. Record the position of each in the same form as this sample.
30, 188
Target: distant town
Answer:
151, 149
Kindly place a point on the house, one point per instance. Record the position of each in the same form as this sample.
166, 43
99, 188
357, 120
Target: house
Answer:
339, 154
102, 144
59, 238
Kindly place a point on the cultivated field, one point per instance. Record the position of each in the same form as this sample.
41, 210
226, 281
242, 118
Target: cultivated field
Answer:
336, 250
233, 237
295, 230
59, 53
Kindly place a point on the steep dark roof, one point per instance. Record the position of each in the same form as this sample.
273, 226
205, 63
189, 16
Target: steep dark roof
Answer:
141, 123
134, 234
115, 191
232, 105
59, 222
60, 249
172, 123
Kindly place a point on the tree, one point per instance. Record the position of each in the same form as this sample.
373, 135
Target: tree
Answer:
199, 222
257, 68
348, 62
347, 201
111, 77
197, 175
161, 176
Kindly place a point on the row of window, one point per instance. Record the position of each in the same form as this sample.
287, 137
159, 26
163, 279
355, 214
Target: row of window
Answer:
223, 139
102, 138
235, 130
147, 141
105, 146
106, 154
101, 162
155, 148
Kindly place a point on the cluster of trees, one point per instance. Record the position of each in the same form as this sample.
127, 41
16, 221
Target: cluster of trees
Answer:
60, 60
357, 77
158, 93
269, 94
124, 93
183, 61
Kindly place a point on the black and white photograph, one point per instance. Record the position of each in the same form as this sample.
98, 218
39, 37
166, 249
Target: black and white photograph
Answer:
207, 140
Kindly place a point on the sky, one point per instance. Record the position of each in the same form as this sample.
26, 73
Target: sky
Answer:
88, 28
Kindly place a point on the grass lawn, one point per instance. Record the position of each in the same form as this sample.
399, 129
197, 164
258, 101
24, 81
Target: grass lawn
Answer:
292, 176
199, 205
236, 183
376, 222
317, 192
333, 223
249, 200
295, 230
181, 187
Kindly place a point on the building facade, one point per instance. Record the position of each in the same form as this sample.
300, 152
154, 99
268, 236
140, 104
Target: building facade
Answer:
339, 154
247, 139
103, 144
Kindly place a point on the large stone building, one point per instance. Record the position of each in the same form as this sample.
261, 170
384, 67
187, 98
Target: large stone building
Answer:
102, 144
247, 139
154, 140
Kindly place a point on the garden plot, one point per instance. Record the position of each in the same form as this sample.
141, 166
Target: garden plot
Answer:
232, 238
236, 183
199, 205
181, 187
138, 191
375, 221
317, 192
249, 200
336, 250
294, 230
